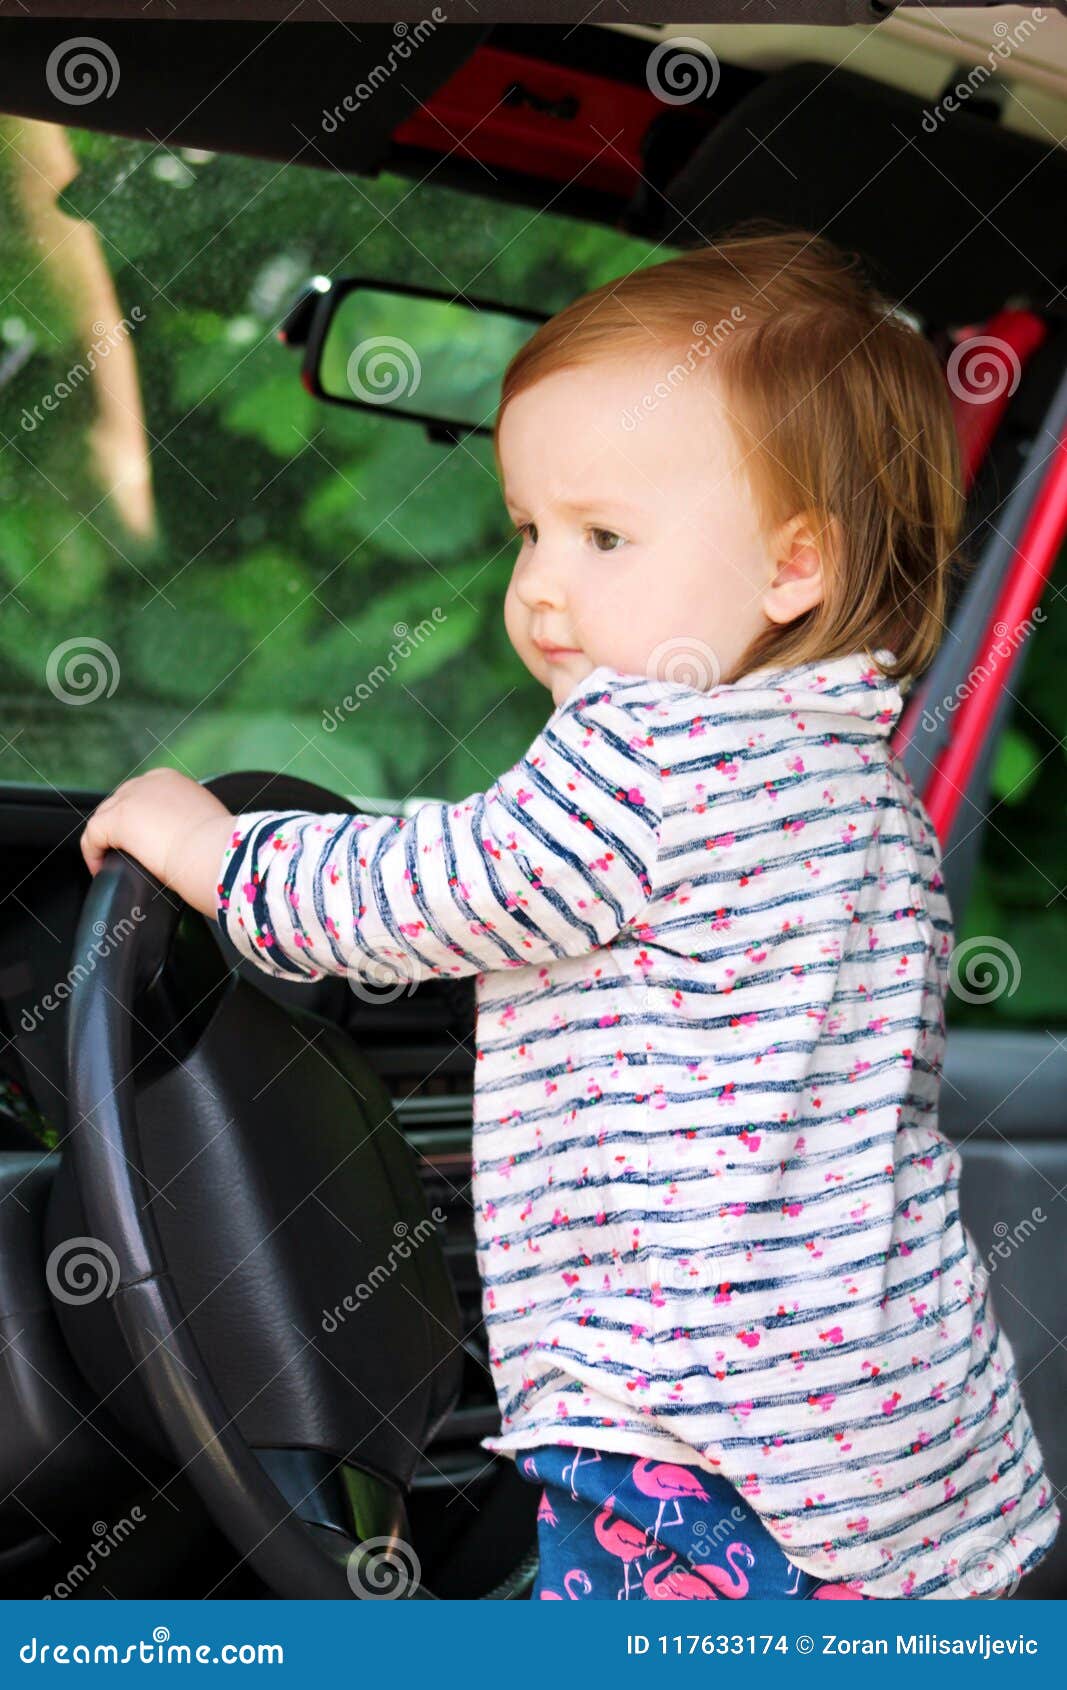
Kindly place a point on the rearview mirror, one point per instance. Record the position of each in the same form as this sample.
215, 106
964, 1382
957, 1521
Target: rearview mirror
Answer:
436, 358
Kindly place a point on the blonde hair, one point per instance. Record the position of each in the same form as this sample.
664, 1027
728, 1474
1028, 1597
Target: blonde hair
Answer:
840, 408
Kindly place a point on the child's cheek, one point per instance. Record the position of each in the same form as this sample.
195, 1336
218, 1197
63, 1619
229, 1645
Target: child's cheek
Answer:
516, 623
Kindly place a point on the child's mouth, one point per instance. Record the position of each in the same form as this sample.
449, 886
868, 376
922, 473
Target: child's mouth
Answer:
556, 653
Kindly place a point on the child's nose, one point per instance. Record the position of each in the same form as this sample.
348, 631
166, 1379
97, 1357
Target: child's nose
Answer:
539, 582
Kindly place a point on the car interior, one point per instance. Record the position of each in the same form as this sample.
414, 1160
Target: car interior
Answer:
205, 1396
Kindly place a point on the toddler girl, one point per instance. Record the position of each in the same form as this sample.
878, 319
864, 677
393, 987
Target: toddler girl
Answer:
739, 1336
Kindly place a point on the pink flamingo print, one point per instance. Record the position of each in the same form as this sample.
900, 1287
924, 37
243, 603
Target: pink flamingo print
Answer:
576, 1574
619, 1537
667, 1583
731, 1587
544, 1510
574, 1464
666, 1483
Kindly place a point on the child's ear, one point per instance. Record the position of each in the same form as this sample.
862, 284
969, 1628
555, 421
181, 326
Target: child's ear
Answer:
801, 553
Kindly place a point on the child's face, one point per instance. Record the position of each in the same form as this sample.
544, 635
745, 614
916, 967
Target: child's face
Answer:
642, 547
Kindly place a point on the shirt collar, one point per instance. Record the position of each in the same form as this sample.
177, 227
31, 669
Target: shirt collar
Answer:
850, 691
851, 688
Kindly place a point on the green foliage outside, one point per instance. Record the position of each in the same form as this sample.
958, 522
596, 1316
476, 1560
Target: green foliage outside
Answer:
295, 537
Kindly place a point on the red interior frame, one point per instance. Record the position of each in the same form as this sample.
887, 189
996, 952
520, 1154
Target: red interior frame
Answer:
1035, 554
596, 143
1021, 332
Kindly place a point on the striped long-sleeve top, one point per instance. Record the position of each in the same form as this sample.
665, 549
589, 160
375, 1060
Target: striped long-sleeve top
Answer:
716, 1222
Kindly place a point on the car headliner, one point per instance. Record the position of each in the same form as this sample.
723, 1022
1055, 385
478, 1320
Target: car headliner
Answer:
953, 217
834, 12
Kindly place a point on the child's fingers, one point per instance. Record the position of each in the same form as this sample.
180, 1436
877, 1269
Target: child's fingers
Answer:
93, 847
98, 834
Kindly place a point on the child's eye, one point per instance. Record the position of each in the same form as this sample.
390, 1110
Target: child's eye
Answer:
527, 531
614, 541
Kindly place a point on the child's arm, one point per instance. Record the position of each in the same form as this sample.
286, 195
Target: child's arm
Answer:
551, 861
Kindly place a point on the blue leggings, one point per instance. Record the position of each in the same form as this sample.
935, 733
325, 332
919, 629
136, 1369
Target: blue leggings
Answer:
611, 1526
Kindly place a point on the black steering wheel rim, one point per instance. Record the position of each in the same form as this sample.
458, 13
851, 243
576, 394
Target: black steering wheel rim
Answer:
296, 1557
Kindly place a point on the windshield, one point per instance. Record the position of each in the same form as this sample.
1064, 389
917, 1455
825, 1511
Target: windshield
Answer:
202, 565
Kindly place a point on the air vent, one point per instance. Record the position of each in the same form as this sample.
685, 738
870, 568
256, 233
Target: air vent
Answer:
421, 1044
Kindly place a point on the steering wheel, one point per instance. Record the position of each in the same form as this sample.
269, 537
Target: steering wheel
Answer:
278, 1312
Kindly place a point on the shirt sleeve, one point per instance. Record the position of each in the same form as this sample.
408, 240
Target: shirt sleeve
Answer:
552, 861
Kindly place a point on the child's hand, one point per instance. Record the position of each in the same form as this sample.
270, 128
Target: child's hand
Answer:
172, 825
